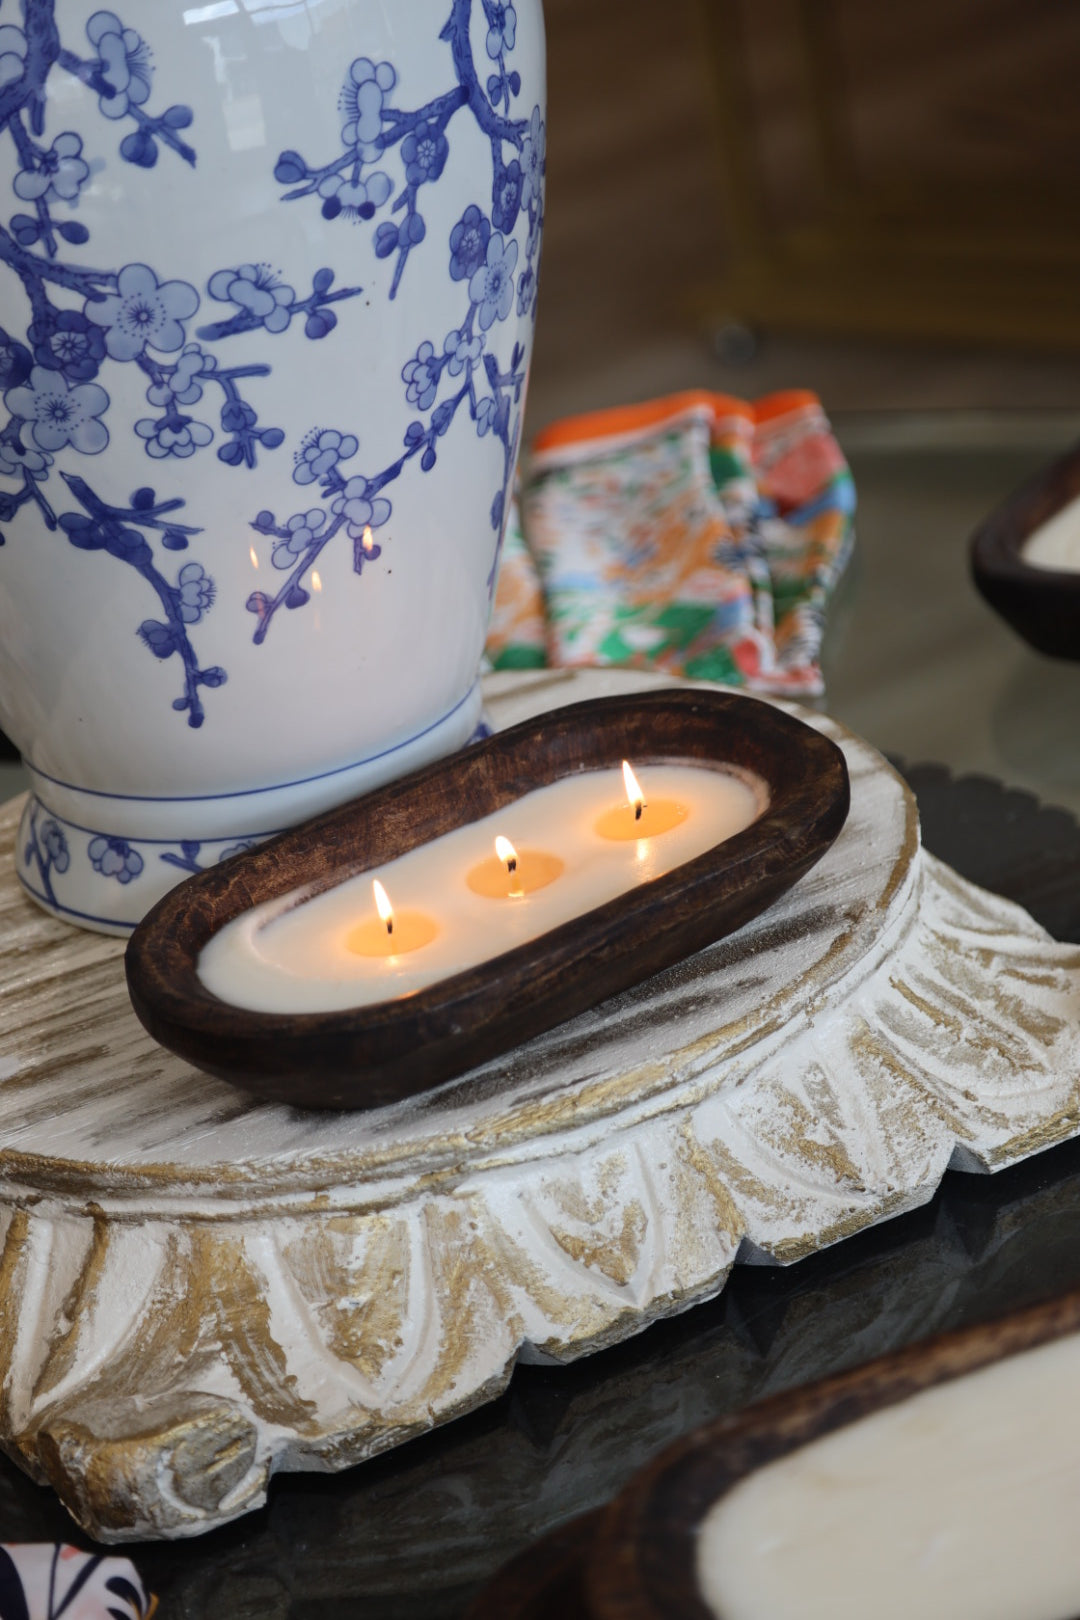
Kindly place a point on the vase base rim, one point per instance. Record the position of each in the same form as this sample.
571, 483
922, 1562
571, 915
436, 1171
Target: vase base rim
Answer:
106, 878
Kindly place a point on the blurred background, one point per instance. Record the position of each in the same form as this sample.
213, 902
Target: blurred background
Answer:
877, 202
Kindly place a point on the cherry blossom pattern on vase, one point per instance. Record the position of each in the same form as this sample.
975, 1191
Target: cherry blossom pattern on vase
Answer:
55, 850
463, 371
56, 406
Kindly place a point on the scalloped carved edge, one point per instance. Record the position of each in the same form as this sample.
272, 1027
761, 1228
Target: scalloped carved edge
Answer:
159, 1369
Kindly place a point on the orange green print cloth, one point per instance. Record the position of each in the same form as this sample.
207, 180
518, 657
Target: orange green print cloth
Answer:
698, 534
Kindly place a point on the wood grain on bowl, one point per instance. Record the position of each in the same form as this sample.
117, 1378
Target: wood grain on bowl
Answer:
1041, 604
366, 1057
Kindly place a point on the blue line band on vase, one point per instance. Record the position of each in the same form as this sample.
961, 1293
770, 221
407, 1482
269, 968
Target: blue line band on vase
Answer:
247, 793
54, 906
168, 843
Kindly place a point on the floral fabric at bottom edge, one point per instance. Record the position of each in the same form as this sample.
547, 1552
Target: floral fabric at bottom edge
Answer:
44, 1581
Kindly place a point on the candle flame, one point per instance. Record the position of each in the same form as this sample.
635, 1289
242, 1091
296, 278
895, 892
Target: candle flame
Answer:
505, 850
633, 790
316, 582
253, 554
367, 542
383, 906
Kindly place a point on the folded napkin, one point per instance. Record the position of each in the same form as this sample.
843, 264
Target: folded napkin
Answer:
43, 1581
697, 534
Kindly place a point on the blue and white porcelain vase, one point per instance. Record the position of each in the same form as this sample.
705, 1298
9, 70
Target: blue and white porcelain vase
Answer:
267, 294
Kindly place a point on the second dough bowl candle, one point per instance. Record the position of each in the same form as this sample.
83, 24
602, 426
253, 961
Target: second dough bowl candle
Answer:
251, 971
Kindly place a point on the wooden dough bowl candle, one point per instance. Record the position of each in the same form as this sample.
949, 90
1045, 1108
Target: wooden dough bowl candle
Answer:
413, 1034
939, 1481
1025, 559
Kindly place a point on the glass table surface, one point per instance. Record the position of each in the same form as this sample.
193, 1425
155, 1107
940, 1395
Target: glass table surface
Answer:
918, 664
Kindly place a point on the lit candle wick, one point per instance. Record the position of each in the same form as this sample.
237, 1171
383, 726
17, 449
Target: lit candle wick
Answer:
389, 935
505, 850
633, 790
510, 875
651, 819
383, 906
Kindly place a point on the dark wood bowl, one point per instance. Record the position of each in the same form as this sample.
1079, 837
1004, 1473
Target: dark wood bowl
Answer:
637, 1558
1041, 604
369, 1056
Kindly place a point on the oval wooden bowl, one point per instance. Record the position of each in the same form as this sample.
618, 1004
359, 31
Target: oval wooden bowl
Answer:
637, 1558
1041, 604
370, 1056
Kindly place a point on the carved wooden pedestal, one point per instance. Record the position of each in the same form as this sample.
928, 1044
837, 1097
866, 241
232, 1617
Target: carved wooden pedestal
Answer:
196, 1290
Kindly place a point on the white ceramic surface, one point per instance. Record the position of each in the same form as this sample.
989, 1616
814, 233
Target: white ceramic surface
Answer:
267, 288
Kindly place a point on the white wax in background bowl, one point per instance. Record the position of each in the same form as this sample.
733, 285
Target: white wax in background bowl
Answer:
1056, 543
290, 955
960, 1503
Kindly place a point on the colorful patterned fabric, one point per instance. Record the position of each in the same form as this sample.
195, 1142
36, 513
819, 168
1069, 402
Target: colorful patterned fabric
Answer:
40, 1581
698, 534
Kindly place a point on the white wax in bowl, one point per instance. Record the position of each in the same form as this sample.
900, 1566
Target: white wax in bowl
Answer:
961, 1503
1056, 543
292, 955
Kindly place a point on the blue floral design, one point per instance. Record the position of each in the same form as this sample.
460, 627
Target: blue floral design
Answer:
355, 199
362, 101
190, 849
502, 30
533, 161
58, 414
264, 300
124, 64
12, 54
360, 507
492, 287
371, 128
163, 439
321, 453
57, 175
256, 289
114, 857
506, 196
421, 375
424, 152
486, 412
121, 532
462, 350
55, 845
137, 316
64, 340
143, 312
183, 385
302, 529
15, 461
15, 361
195, 592
47, 849
484, 255
468, 244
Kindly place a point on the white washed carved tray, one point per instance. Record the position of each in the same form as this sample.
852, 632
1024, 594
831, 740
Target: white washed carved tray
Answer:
197, 1290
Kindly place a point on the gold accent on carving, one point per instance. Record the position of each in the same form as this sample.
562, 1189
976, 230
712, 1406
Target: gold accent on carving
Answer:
615, 1255
180, 1456
352, 1285
12, 1266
